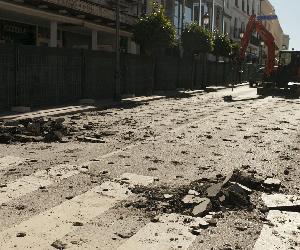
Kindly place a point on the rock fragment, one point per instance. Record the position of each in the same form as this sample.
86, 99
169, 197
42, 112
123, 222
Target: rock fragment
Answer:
272, 183
202, 208
58, 244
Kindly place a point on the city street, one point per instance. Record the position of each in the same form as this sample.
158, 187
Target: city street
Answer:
119, 176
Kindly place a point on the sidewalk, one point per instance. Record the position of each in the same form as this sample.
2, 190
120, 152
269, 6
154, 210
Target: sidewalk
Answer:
73, 109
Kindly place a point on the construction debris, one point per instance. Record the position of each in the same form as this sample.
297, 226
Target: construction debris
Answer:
33, 130
227, 98
273, 184
202, 208
200, 197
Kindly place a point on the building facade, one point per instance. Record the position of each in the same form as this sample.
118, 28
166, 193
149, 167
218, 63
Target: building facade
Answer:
227, 16
274, 26
286, 42
86, 24
239, 12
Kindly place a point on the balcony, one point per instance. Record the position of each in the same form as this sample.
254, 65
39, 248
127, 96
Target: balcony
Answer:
100, 11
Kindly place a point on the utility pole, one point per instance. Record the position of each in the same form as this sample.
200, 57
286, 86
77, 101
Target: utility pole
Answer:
213, 16
223, 18
183, 14
178, 18
117, 94
200, 12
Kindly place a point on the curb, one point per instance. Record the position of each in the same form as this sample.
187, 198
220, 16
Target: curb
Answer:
69, 110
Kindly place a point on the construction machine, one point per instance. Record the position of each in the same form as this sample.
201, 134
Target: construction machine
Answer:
282, 80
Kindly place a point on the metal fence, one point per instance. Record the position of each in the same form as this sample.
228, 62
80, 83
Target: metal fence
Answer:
38, 76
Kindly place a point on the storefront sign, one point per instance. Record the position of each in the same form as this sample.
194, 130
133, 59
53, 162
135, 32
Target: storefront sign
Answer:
92, 9
17, 33
263, 18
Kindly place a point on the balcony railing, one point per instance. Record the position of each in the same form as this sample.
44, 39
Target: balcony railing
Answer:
94, 8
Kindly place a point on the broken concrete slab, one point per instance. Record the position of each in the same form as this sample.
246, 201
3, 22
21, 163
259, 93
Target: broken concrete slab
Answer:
157, 235
246, 179
135, 179
237, 195
191, 199
193, 192
280, 201
214, 190
237, 187
282, 231
168, 196
202, 208
272, 183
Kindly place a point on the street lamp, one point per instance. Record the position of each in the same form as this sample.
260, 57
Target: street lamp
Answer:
206, 19
241, 70
262, 44
117, 94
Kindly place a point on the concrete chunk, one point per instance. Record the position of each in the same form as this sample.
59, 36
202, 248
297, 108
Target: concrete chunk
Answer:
280, 200
191, 199
214, 190
202, 208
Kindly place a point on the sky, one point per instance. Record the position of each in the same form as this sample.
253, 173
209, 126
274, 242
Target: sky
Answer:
288, 12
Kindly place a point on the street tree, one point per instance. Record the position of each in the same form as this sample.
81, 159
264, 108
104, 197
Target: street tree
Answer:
196, 39
222, 45
154, 32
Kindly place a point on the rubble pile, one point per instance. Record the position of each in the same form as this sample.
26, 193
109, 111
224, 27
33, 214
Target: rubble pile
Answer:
227, 98
32, 130
201, 197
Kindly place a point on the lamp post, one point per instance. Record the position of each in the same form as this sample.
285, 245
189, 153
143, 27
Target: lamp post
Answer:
242, 35
206, 20
200, 13
262, 44
117, 94
241, 70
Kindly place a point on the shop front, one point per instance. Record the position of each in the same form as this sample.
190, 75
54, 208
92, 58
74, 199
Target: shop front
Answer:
17, 33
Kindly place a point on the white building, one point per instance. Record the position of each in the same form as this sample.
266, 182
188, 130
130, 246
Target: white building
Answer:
85, 24
238, 13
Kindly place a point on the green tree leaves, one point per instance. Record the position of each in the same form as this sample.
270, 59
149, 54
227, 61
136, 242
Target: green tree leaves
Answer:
196, 39
154, 32
222, 45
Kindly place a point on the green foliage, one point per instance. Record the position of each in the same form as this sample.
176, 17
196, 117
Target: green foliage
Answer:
196, 39
154, 31
223, 45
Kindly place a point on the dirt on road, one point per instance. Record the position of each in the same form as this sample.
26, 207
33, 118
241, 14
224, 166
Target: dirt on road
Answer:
185, 143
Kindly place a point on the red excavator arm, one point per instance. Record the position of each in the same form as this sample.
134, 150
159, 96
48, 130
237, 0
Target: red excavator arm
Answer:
267, 37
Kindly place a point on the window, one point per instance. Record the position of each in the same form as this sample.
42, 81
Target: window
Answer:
248, 8
243, 5
285, 58
235, 30
253, 8
237, 3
